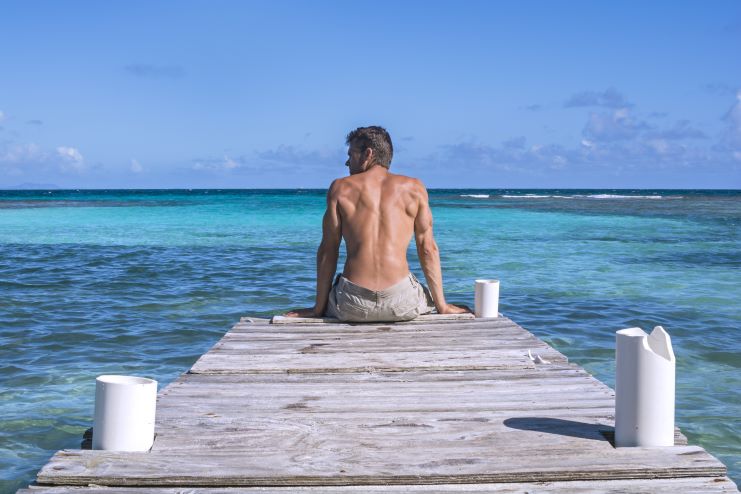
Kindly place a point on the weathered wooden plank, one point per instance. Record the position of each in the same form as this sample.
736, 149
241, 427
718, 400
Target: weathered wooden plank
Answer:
539, 372
694, 485
223, 420
468, 397
345, 351
398, 326
459, 394
513, 376
345, 394
331, 320
283, 343
332, 466
509, 336
502, 333
412, 432
505, 407
212, 363
570, 429
270, 345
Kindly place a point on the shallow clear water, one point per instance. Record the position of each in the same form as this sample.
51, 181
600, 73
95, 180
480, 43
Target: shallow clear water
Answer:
144, 282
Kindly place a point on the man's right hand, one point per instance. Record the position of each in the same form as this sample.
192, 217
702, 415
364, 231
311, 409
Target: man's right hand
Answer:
308, 312
455, 309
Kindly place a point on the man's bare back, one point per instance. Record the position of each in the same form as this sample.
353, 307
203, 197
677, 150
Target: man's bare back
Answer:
376, 212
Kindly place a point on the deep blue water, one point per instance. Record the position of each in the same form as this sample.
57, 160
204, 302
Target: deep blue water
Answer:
143, 282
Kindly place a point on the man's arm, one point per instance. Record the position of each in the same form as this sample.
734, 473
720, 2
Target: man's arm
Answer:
429, 255
329, 250
326, 256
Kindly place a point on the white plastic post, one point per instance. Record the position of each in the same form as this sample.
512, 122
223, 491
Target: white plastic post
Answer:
644, 388
486, 298
124, 413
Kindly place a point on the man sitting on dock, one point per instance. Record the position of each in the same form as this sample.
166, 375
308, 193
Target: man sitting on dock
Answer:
376, 212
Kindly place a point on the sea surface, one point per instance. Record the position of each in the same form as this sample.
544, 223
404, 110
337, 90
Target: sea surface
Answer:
144, 282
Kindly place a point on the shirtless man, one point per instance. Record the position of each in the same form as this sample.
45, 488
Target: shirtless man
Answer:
376, 212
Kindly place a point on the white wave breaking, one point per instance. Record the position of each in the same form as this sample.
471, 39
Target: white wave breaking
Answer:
583, 196
535, 196
620, 196
476, 196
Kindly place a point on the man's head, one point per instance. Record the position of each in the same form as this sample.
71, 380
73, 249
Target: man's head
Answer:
369, 146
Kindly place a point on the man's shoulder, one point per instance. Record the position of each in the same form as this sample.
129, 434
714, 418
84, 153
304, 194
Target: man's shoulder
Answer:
407, 180
357, 182
339, 183
341, 186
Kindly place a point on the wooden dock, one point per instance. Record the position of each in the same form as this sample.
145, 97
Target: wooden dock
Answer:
437, 405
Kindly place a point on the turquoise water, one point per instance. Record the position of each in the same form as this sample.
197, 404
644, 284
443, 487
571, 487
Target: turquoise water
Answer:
144, 282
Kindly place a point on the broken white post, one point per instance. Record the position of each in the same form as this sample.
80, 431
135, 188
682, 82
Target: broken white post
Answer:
644, 388
486, 298
124, 413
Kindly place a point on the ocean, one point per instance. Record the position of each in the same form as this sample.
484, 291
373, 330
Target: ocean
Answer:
143, 282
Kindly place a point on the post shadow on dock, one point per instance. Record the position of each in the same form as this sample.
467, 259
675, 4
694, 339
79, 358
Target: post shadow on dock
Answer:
563, 427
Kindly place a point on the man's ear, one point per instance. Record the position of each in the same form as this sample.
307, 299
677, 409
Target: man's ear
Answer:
368, 156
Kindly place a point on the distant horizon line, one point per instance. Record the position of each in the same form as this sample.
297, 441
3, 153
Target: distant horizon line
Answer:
77, 189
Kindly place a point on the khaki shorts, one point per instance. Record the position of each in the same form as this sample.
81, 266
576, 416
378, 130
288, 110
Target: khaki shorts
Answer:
404, 301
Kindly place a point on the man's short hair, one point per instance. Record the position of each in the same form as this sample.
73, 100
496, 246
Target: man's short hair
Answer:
375, 138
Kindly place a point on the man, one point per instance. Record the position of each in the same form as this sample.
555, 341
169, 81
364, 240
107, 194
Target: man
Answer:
376, 212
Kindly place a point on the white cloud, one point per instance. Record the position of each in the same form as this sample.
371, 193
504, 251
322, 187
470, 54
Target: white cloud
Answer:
682, 130
730, 141
21, 153
503, 158
216, 165
230, 164
733, 117
660, 146
288, 159
609, 98
136, 167
72, 159
613, 138
617, 125
293, 156
15, 158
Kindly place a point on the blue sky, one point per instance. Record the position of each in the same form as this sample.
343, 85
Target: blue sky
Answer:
475, 94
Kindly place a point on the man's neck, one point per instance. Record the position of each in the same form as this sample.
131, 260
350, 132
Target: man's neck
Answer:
376, 169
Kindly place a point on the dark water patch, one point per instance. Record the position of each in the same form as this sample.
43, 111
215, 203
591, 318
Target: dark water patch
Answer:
732, 359
709, 258
714, 207
69, 203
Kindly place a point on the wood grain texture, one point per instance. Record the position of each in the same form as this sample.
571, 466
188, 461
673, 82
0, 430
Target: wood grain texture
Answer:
694, 485
461, 464
331, 320
470, 344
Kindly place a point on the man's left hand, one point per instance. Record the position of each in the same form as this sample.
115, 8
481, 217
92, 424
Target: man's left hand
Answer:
455, 309
308, 312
